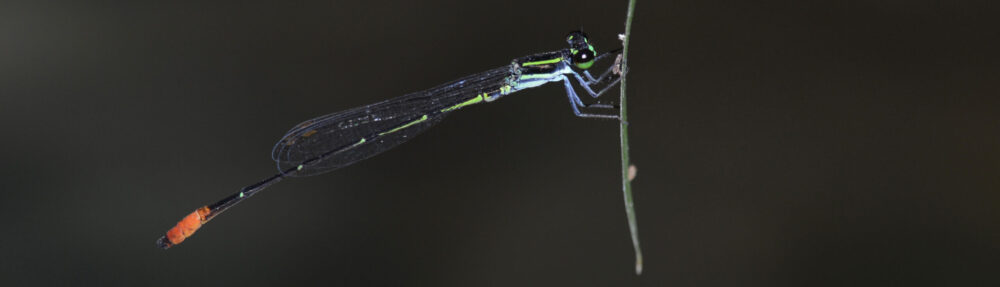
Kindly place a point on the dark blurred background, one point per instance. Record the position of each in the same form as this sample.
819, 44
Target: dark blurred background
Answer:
778, 143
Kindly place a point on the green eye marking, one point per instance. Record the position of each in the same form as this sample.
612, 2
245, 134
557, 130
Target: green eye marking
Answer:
582, 51
581, 60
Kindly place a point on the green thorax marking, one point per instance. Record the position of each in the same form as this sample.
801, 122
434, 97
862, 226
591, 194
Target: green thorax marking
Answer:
542, 62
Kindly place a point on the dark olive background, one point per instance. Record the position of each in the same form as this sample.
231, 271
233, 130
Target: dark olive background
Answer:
778, 143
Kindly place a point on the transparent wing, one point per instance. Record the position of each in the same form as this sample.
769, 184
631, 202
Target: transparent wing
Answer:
340, 139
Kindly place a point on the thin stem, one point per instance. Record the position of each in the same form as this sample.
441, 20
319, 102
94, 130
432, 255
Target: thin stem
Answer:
623, 128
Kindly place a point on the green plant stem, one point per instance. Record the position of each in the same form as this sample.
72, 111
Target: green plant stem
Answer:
623, 128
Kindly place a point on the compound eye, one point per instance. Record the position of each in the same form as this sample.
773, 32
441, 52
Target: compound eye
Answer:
583, 59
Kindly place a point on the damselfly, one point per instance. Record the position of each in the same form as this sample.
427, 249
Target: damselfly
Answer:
340, 139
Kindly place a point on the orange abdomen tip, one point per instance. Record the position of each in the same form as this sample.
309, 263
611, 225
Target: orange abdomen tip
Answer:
185, 228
